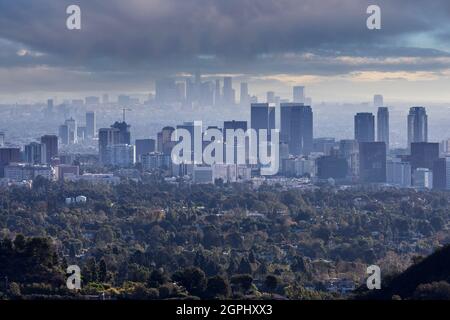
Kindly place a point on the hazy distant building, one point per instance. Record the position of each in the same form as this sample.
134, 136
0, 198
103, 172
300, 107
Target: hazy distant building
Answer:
71, 131
92, 100
324, 145
298, 94
49, 148
90, 124
156, 161
417, 125
244, 96
121, 155
297, 128
423, 179
228, 91
365, 127
144, 146
349, 150
22, 171
2, 139
372, 162
378, 101
270, 97
383, 126
63, 134
398, 173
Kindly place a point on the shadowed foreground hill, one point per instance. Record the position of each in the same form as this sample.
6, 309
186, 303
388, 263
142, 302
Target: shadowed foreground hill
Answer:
428, 279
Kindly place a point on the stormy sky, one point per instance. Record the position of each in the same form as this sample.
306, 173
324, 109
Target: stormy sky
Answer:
124, 46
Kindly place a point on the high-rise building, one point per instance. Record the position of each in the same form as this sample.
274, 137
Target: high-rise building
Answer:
166, 91
164, 142
33, 153
349, 150
417, 125
121, 155
144, 146
331, 167
233, 126
90, 124
270, 97
424, 154
423, 179
383, 126
124, 132
107, 137
372, 162
228, 91
2, 139
262, 117
92, 100
441, 174
297, 128
398, 173
364, 127
7, 156
245, 97
105, 98
378, 101
63, 134
298, 94
217, 94
50, 148
72, 130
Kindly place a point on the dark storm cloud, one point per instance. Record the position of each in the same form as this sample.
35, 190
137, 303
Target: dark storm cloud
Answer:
216, 36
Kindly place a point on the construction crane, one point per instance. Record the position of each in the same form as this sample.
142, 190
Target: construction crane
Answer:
124, 110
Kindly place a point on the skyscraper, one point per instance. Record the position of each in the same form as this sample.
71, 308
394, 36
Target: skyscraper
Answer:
365, 127
378, 101
417, 125
245, 97
233, 126
124, 132
72, 130
298, 94
383, 126
33, 153
164, 142
63, 134
228, 92
2, 139
262, 117
90, 124
297, 128
50, 148
372, 162
423, 155
144, 146
107, 137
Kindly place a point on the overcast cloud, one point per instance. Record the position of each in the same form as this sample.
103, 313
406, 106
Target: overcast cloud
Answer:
126, 44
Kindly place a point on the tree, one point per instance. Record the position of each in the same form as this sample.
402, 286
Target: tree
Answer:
217, 287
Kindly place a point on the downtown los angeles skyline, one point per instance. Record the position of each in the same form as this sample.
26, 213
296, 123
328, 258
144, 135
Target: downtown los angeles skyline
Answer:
269, 44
